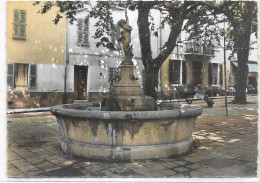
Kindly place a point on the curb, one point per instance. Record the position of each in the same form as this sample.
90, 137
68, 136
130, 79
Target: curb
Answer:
15, 111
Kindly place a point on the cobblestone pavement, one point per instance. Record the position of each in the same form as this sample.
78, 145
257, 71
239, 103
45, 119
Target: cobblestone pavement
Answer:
224, 146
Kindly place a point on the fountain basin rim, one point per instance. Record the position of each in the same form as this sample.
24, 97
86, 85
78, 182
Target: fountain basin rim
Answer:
182, 111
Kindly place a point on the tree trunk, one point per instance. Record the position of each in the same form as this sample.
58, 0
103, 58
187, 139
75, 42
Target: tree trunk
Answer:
151, 82
242, 41
242, 72
152, 66
150, 76
242, 45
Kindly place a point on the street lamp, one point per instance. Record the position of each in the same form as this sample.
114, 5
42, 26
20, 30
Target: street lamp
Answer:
225, 71
179, 77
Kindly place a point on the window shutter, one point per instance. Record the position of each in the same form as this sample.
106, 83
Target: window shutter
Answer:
10, 75
23, 16
210, 75
183, 72
221, 74
171, 71
16, 24
32, 81
23, 25
16, 30
16, 15
86, 31
80, 30
19, 24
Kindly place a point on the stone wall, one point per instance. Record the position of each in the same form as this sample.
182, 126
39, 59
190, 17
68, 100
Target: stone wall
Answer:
20, 100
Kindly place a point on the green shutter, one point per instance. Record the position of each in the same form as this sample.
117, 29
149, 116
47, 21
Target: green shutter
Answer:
23, 31
23, 16
16, 30
16, 15
19, 24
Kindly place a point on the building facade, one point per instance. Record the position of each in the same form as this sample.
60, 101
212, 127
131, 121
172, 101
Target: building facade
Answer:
51, 64
92, 70
35, 56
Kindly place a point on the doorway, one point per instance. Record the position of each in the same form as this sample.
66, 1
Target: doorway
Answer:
196, 69
80, 82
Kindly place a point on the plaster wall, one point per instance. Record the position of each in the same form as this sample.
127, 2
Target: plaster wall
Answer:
45, 42
100, 59
50, 77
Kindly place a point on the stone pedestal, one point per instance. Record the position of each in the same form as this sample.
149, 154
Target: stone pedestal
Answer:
127, 95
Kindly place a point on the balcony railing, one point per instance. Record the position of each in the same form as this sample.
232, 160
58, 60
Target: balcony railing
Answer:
192, 47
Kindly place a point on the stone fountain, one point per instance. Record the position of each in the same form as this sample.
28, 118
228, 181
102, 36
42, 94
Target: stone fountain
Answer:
128, 125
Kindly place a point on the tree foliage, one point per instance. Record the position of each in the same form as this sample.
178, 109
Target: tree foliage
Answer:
241, 23
175, 12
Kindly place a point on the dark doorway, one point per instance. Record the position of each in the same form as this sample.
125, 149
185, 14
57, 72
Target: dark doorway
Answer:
196, 69
80, 82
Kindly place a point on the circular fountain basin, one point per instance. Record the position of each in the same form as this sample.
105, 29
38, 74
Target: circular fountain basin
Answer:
126, 135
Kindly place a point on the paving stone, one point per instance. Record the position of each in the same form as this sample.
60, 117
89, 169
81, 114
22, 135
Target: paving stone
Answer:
219, 143
197, 174
181, 169
67, 171
251, 164
236, 169
216, 162
34, 173
44, 165
15, 173
170, 164
166, 172
28, 168
19, 162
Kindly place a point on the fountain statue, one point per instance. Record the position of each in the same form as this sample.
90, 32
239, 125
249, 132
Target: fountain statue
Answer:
127, 95
128, 125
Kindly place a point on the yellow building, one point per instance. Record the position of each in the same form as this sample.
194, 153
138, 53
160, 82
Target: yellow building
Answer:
36, 56
191, 66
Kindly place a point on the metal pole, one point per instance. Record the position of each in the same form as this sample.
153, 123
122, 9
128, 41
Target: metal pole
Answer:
178, 81
225, 71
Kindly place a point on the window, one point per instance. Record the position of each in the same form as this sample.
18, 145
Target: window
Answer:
10, 75
174, 71
210, 73
214, 73
114, 39
113, 73
19, 24
32, 79
183, 72
18, 74
21, 75
221, 74
83, 32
